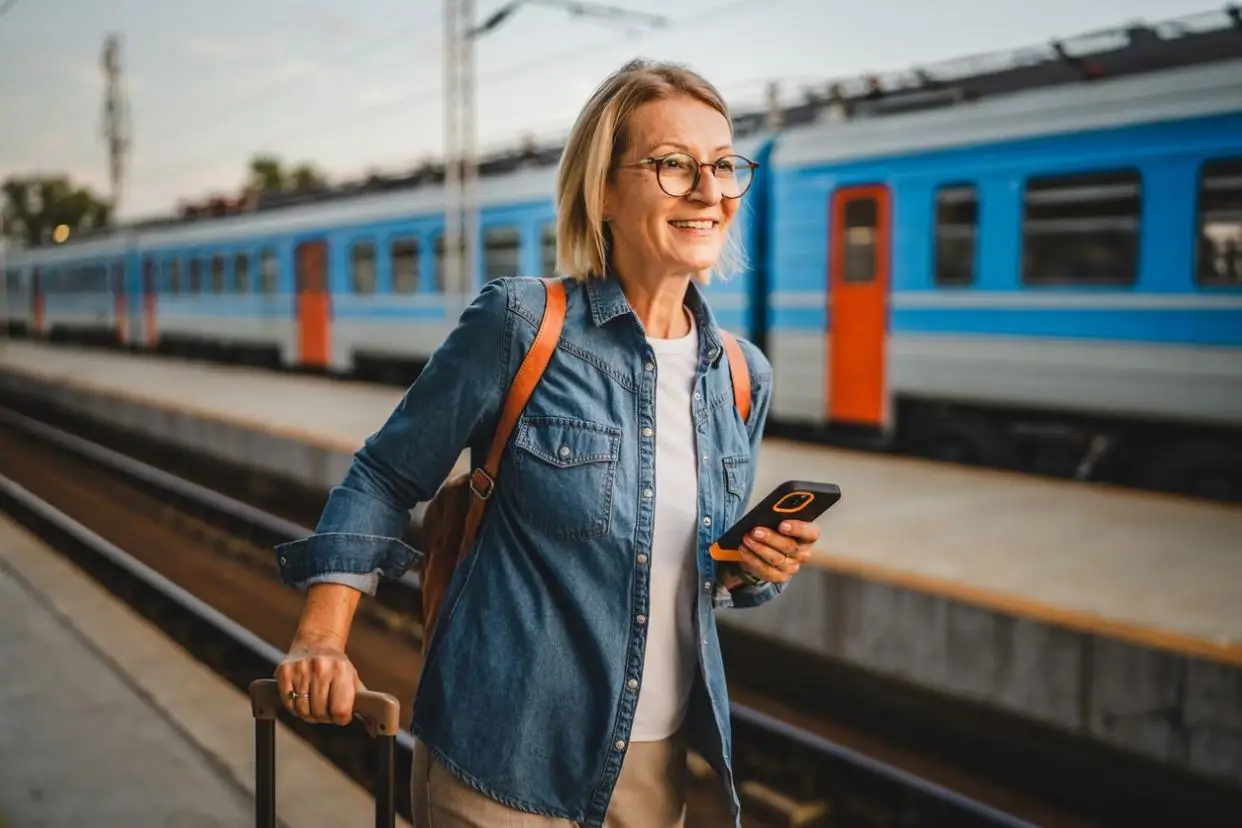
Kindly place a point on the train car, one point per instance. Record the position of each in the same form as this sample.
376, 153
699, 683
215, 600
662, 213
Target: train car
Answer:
1045, 280
71, 292
1029, 262
17, 303
353, 284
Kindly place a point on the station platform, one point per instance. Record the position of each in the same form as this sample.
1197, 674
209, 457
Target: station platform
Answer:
1096, 609
105, 721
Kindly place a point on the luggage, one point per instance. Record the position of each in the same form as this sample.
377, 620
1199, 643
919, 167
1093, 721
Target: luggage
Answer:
379, 711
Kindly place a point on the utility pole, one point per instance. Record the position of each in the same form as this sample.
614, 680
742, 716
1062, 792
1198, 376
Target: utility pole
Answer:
469, 151
461, 163
452, 163
116, 116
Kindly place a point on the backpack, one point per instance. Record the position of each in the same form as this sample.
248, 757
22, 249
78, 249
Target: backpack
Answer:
453, 515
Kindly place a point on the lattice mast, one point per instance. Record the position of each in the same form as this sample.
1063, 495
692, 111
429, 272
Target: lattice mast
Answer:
116, 122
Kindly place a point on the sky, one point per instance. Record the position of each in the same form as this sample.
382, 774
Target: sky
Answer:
357, 85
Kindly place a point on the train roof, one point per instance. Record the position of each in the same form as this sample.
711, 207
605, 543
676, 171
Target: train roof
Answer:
1195, 91
1005, 80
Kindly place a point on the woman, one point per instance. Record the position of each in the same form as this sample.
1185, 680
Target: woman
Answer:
575, 656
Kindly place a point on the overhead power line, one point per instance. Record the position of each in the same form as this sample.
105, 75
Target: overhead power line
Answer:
427, 95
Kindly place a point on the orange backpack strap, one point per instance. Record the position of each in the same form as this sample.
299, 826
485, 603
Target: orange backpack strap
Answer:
483, 480
740, 372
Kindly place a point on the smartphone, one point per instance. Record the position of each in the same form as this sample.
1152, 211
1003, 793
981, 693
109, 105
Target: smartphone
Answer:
794, 499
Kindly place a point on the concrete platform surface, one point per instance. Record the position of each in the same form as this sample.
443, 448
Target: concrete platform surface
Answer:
104, 721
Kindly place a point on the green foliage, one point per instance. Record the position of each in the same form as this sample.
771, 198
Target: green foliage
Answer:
34, 206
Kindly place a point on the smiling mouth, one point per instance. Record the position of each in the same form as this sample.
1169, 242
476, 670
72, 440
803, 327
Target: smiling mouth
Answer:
696, 224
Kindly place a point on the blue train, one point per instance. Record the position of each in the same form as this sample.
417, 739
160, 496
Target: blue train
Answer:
1035, 265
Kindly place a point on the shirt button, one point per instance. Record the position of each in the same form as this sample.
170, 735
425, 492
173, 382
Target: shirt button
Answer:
647, 431
697, 395
647, 492
648, 367
564, 451
642, 619
632, 684
642, 559
707, 521
707, 585
620, 744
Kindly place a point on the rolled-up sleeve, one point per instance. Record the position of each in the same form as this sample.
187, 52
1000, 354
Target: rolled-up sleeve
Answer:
453, 404
744, 595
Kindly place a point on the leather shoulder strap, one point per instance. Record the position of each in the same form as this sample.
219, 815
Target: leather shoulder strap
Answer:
483, 480
740, 372
530, 371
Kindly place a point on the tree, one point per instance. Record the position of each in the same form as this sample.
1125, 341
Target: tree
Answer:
268, 175
35, 205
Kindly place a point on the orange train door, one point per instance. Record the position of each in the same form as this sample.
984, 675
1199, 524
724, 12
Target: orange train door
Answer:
858, 292
36, 301
116, 276
313, 302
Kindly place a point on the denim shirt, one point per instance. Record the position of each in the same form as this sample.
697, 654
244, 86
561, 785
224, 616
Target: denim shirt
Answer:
525, 691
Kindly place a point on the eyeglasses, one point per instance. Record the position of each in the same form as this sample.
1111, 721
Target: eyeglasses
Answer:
678, 173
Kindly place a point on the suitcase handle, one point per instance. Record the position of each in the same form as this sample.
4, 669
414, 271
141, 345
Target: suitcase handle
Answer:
380, 712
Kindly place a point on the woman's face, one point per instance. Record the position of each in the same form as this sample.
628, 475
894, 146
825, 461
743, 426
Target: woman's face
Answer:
658, 233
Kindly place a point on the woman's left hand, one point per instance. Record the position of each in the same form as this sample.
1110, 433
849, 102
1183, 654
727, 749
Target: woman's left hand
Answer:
776, 556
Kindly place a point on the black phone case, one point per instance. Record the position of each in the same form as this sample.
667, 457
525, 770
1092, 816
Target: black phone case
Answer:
771, 510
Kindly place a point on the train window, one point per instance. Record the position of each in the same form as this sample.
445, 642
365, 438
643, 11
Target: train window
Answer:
1081, 229
118, 278
500, 252
1219, 247
217, 274
861, 224
150, 273
241, 273
172, 269
549, 249
267, 272
196, 277
404, 258
957, 225
362, 267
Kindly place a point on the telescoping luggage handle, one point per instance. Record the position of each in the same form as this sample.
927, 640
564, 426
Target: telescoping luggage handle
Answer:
380, 712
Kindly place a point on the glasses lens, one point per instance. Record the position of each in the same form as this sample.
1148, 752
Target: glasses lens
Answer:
677, 174
677, 171
733, 174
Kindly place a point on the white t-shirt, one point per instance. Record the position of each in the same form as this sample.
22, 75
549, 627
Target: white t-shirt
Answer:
671, 655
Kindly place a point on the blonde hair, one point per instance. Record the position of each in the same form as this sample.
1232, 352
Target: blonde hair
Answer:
598, 138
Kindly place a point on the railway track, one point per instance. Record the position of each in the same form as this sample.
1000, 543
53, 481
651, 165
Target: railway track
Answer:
799, 768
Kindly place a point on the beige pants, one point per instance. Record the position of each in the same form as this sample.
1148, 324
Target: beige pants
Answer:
651, 793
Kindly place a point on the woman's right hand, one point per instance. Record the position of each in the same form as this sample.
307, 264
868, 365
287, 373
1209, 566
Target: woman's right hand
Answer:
324, 680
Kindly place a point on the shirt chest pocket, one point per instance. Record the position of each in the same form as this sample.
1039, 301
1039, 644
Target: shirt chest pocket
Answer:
564, 474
